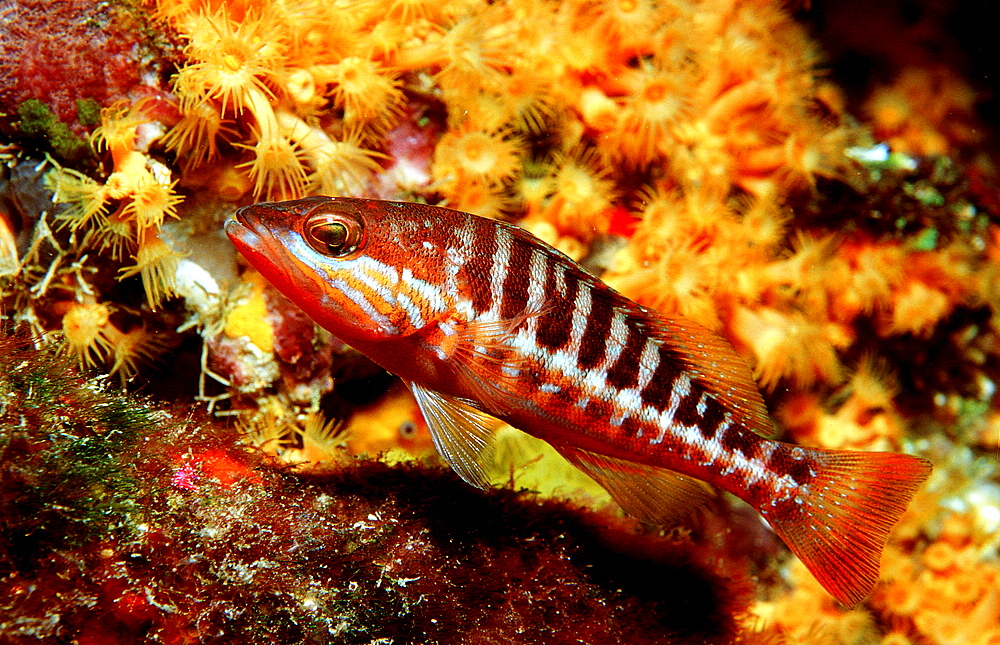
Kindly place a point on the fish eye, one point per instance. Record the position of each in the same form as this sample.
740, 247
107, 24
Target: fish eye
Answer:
408, 430
333, 234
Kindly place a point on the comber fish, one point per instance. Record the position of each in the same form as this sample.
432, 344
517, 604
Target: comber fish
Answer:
484, 321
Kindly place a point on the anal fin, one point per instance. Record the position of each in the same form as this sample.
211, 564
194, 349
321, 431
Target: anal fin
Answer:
647, 493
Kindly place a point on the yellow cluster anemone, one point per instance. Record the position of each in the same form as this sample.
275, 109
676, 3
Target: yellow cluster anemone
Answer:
255, 82
925, 110
126, 211
96, 340
302, 443
367, 92
718, 96
473, 167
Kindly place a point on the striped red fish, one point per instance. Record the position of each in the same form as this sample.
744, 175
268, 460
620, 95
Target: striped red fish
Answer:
484, 321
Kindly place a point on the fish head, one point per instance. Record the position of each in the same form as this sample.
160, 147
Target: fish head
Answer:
350, 264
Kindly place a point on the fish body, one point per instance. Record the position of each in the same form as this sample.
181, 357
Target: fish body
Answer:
484, 321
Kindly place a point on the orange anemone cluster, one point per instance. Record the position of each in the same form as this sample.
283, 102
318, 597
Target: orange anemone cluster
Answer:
706, 93
685, 128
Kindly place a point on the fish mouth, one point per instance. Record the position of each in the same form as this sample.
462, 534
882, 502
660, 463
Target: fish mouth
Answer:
245, 238
242, 217
240, 232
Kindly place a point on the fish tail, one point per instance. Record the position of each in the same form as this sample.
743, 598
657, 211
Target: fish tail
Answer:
838, 525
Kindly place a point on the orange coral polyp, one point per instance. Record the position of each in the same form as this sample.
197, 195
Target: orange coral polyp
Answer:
339, 167
117, 131
116, 233
228, 87
409, 11
87, 198
643, 132
85, 329
478, 154
156, 262
628, 25
134, 347
916, 308
939, 556
195, 137
151, 201
786, 345
235, 57
345, 167
582, 192
528, 101
487, 200
276, 169
485, 156
470, 56
367, 92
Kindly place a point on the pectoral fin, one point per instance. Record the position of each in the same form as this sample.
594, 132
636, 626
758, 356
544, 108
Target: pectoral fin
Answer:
462, 434
483, 358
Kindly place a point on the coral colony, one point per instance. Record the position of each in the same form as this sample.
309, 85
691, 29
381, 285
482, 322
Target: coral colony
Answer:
185, 457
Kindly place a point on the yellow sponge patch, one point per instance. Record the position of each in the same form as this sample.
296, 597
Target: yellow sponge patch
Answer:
250, 317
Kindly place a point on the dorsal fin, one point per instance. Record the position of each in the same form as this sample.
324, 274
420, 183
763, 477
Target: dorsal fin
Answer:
714, 366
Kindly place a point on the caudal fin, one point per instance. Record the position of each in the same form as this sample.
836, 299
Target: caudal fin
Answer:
839, 528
